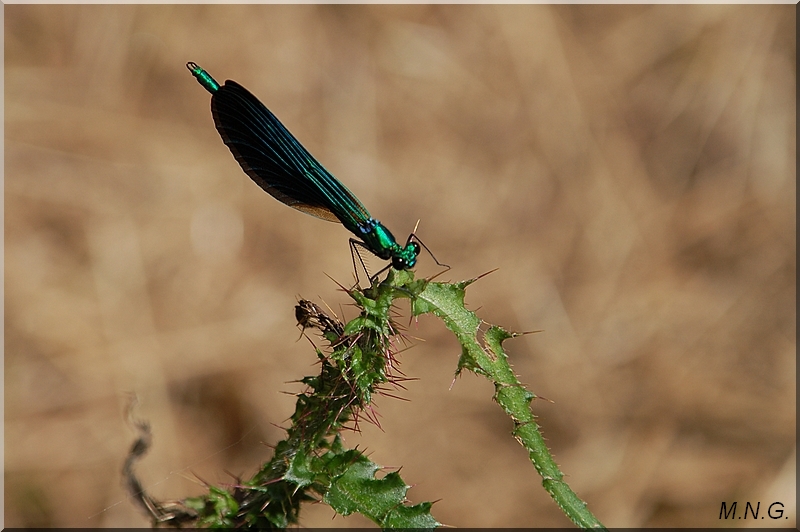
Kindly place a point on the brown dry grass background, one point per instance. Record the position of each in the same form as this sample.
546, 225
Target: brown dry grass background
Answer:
630, 171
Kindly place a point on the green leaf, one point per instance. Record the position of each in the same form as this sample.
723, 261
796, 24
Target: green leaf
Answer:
300, 471
380, 499
417, 516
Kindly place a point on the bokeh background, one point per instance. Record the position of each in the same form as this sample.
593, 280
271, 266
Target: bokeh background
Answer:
630, 171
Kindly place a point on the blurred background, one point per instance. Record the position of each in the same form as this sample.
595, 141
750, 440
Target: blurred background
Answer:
629, 170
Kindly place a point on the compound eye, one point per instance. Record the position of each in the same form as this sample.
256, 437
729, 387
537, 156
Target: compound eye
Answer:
416, 247
399, 263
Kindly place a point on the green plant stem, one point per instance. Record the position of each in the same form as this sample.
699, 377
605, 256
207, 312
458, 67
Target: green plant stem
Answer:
487, 358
